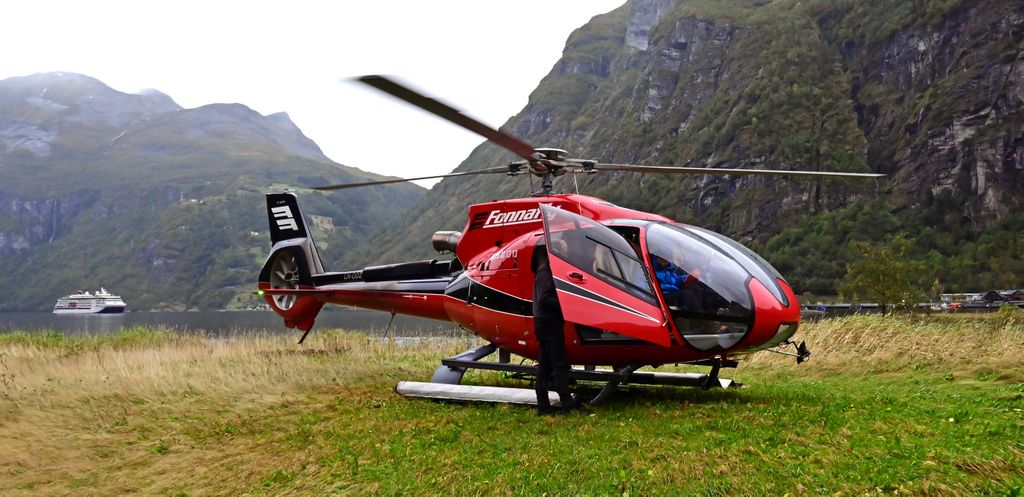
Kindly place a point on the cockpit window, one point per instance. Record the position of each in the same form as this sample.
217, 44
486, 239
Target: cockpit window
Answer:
705, 289
598, 250
755, 264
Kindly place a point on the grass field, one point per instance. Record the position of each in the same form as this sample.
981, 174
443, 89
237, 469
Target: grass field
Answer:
906, 405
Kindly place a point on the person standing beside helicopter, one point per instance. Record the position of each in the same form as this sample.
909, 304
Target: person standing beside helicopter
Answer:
549, 329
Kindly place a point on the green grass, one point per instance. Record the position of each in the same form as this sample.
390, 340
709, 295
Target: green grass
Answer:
134, 337
907, 405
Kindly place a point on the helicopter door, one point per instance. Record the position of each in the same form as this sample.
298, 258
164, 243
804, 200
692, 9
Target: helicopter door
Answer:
600, 279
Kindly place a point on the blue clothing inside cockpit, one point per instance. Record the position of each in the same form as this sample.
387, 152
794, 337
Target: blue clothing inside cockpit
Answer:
671, 278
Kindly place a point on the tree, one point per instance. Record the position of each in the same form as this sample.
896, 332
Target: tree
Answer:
936, 293
884, 273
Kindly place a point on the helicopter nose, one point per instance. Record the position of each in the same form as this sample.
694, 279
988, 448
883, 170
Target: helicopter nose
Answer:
775, 320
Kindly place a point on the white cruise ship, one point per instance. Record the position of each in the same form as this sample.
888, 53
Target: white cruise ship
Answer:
101, 302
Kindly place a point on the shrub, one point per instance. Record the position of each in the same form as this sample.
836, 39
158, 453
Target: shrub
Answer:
1010, 314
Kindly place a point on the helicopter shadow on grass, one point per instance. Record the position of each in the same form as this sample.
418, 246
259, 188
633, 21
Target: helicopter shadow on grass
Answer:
653, 397
649, 396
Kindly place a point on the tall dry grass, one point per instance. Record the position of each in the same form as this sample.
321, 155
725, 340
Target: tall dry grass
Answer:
159, 363
146, 411
973, 344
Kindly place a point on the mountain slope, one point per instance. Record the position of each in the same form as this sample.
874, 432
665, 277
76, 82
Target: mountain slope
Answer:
161, 204
929, 92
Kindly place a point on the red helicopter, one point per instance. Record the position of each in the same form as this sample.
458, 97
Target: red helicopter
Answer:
607, 262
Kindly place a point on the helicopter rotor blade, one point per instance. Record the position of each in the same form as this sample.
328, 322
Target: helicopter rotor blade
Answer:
453, 115
728, 171
510, 170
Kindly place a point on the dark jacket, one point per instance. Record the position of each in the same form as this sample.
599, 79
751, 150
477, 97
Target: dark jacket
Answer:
545, 299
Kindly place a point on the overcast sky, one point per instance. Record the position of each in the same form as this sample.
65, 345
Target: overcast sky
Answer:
483, 57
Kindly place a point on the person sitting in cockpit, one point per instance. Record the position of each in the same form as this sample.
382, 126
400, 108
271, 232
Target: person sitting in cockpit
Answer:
670, 277
674, 283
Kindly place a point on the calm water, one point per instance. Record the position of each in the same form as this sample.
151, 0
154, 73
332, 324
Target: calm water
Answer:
222, 323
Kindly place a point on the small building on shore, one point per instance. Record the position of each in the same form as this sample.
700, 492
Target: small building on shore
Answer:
989, 296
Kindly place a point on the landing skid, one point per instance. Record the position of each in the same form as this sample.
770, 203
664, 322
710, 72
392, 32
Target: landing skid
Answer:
445, 383
472, 393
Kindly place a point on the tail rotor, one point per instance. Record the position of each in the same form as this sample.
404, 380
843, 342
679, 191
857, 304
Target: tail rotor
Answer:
284, 274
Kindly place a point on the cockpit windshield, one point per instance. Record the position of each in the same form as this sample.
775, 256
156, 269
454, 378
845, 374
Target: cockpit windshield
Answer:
753, 263
705, 289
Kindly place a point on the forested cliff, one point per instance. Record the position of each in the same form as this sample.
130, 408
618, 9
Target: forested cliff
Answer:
928, 92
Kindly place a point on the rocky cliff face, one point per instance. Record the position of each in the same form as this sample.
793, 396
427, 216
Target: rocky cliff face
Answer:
940, 104
40, 221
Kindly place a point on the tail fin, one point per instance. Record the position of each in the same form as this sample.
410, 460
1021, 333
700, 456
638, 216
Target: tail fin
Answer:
292, 263
287, 224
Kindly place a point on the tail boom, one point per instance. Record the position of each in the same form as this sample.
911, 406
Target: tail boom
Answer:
293, 281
